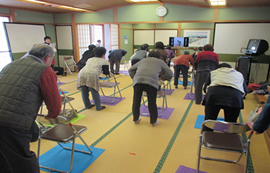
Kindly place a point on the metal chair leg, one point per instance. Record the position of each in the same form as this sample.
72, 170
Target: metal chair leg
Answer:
199, 155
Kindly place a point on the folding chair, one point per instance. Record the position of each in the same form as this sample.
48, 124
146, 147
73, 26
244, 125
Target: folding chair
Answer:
65, 112
160, 94
69, 63
191, 93
124, 62
168, 86
63, 133
225, 137
109, 84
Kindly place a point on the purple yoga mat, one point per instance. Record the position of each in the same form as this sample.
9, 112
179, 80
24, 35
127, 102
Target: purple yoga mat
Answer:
191, 96
169, 92
109, 99
184, 169
123, 72
166, 113
60, 83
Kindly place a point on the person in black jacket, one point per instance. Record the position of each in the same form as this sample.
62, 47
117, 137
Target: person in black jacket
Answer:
115, 57
86, 55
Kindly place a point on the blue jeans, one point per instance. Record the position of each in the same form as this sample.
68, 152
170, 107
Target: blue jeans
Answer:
86, 100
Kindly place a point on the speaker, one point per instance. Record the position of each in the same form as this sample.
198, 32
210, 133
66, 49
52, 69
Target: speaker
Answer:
243, 66
263, 47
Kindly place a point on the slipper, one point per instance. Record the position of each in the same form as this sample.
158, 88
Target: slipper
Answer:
138, 121
102, 107
91, 106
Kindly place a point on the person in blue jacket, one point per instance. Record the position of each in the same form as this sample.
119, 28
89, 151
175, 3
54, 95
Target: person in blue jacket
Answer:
263, 121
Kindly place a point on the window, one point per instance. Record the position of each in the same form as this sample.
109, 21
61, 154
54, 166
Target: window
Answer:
84, 38
89, 34
97, 34
4, 49
114, 36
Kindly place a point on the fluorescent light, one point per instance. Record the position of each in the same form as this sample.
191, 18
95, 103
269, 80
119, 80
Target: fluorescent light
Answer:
217, 2
138, 1
54, 5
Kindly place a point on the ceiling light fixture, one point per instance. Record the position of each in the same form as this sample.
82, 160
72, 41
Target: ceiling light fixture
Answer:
55, 5
142, 1
217, 2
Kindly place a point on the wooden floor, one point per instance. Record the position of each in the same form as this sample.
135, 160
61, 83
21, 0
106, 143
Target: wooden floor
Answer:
141, 148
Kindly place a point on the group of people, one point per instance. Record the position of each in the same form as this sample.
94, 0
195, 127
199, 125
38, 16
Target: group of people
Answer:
27, 82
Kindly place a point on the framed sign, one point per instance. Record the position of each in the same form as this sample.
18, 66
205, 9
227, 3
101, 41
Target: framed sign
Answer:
197, 38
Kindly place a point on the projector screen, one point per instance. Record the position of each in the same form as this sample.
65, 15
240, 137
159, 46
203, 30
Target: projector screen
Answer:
229, 38
22, 37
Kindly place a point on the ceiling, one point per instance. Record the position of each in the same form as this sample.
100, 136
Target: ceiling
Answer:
97, 5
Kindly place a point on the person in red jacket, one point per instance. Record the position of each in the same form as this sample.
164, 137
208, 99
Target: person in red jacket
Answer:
205, 62
181, 63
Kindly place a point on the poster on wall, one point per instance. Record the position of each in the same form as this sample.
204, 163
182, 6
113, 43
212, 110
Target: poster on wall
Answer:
197, 38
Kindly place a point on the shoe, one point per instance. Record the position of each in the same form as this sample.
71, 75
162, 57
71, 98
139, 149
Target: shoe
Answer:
91, 106
156, 123
185, 87
117, 73
138, 121
176, 86
102, 107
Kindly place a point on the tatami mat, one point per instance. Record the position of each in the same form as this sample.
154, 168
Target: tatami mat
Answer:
141, 148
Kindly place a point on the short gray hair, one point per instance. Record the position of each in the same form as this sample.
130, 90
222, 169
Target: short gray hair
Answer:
41, 51
186, 52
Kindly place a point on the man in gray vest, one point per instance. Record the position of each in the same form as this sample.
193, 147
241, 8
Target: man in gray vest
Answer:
24, 85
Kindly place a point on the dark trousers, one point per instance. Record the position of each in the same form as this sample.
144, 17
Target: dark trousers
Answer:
169, 62
134, 61
86, 100
211, 113
200, 79
184, 70
152, 105
117, 65
15, 154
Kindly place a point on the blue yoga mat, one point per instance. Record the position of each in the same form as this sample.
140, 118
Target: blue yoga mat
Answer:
200, 119
63, 91
181, 82
59, 158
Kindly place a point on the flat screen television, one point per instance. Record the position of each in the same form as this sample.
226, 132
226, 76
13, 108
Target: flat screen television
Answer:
256, 47
179, 41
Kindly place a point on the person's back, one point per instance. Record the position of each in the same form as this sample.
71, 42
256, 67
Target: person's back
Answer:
170, 53
24, 84
184, 60
86, 55
32, 71
206, 61
94, 65
149, 68
117, 54
141, 54
146, 75
148, 71
163, 54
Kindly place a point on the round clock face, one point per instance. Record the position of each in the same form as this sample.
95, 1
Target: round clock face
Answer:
161, 11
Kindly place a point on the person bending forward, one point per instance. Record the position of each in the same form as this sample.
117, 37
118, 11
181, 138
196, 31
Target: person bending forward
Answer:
145, 75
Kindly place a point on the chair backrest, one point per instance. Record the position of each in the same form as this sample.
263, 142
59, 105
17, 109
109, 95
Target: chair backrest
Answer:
226, 127
105, 69
65, 58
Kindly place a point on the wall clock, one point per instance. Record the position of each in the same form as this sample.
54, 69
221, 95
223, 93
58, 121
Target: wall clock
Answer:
161, 11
